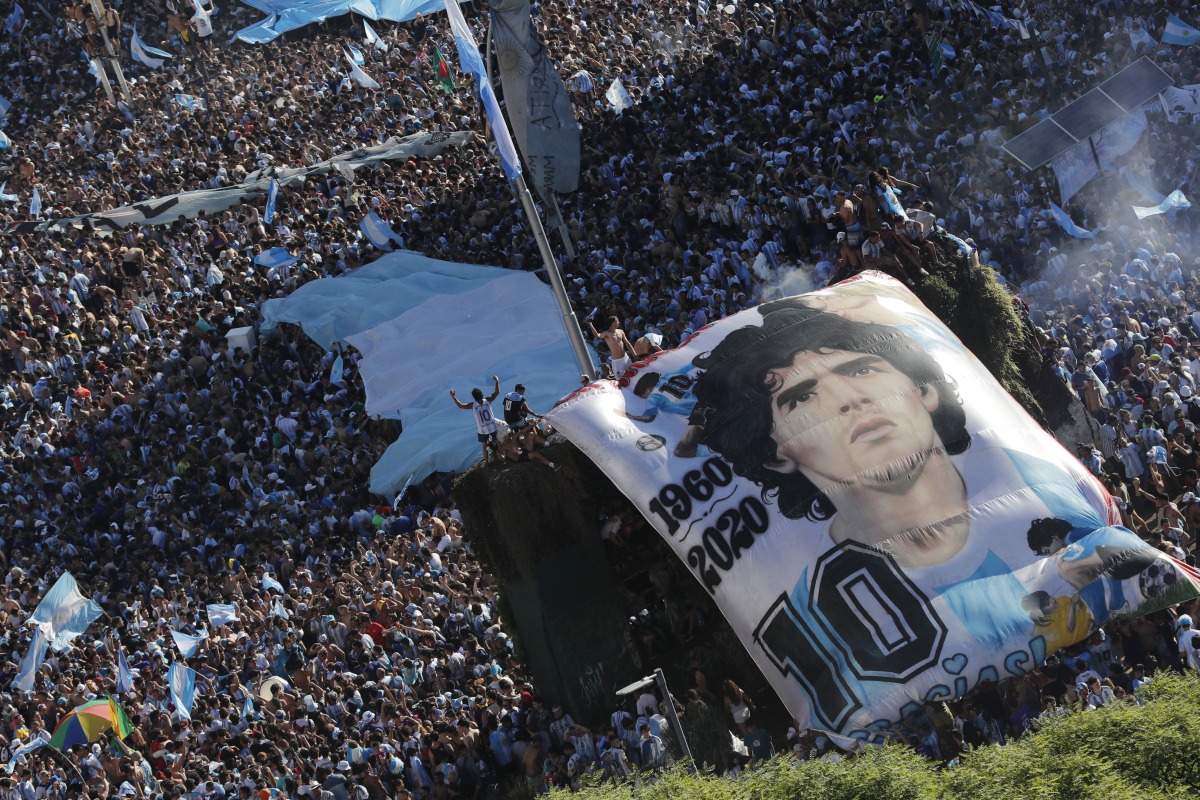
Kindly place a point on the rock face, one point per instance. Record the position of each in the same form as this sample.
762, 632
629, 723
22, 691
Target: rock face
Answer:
571, 603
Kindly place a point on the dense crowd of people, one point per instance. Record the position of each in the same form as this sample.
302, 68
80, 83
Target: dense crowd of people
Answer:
168, 468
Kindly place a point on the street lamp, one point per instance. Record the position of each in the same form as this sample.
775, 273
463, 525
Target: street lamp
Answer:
672, 717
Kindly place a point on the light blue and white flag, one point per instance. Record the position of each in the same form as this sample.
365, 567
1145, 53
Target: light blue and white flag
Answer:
356, 55
150, 56
892, 203
181, 683
1142, 186
270, 584
15, 22
124, 674
35, 204
5, 142
337, 373
272, 194
1066, 223
260, 32
1179, 32
846, 135
1175, 201
379, 233
443, 306
582, 81
188, 645
471, 61
23, 751
536, 101
948, 51
5, 105
1140, 38
64, 612
360, 75
222, 613
190, 102
32, 661
248, 707
618, 96
276, 258
373, 38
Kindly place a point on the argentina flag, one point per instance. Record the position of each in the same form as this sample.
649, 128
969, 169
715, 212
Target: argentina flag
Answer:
124, 674
188, 645
64, 612
270, 584
32, 661
1179, 32
276, 258
272, 192
472, 62
379, 233
222, 613
1066, 223
181, 681
449, 314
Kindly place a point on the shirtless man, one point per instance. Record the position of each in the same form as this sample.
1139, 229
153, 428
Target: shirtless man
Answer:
618, 344
650, 343
849, 218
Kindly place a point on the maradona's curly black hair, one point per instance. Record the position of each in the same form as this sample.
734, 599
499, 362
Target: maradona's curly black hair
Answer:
735, 390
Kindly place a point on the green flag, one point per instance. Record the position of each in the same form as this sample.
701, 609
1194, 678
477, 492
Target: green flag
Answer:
936, 56
443, 71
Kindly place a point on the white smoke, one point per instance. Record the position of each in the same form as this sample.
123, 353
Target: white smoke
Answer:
785, 280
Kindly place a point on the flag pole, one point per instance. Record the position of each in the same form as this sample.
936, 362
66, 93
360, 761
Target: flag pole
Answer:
570, 322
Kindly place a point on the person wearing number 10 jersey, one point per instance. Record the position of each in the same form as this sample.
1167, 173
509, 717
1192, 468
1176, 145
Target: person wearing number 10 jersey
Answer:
485, 421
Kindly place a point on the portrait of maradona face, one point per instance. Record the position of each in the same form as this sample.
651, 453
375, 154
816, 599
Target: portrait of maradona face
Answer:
841, 418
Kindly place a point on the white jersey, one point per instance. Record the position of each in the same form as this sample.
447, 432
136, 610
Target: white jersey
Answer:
484, 421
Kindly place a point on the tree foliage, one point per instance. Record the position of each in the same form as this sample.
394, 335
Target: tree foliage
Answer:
1123, 752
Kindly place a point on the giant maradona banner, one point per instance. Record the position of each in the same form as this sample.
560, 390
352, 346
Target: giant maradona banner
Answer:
881, 523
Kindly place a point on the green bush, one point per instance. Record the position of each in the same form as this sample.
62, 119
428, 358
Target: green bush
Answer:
1116, 753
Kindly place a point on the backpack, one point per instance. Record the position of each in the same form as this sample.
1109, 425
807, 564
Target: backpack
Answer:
1193, 411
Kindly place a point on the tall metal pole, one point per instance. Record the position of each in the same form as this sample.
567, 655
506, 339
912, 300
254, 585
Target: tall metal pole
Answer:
673, 718
574, 333
582, 354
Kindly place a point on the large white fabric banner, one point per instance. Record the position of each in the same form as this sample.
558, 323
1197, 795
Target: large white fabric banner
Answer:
880, 522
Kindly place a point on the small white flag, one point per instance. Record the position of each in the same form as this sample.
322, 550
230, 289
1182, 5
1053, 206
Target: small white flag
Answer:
360, 76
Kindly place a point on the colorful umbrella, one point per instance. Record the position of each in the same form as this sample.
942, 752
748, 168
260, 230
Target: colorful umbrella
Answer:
88, 721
